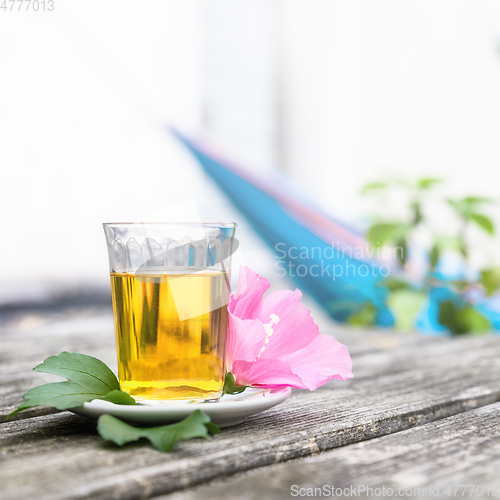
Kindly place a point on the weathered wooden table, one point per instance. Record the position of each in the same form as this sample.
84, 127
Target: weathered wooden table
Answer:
420, 419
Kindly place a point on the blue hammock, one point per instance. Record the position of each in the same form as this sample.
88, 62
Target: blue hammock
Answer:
344, 285
316, 250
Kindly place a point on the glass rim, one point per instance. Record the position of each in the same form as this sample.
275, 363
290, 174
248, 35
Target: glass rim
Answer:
199, 224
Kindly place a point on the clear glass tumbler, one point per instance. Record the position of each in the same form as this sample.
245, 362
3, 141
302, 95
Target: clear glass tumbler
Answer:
170, 289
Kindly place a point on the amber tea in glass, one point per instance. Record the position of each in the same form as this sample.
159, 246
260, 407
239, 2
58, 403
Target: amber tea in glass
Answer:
170, 289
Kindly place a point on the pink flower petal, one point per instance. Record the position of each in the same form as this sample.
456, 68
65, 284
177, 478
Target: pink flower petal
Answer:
245, 338
289, 353
251, 288
323, 359
295, 329
265, 373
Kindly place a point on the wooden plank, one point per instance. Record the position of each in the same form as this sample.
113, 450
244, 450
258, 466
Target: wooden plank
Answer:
456, 457
33, 337
95, 337
393, 390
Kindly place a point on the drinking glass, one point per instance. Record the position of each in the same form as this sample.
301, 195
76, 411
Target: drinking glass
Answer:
170, 289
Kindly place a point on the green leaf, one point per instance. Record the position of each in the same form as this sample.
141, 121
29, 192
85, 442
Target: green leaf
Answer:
428, 182
460, 285
164, 438
405, 305
373, 186
460, 320
378, 234
461, 208
464, 207
474, 200
118, 398
230, 386
85, 370
485, 222
434, 255
364, 316
417, 213
88, 379
402, 251
394, 284
448, 243
490, 278
476, 322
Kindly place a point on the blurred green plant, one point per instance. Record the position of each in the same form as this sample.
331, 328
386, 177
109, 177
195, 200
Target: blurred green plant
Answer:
406, 299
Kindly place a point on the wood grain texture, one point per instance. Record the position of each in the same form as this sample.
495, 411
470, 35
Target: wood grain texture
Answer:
456, 457
29, 339
401, 381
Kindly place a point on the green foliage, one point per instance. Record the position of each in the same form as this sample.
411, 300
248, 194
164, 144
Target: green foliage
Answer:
464, 319
490, 278
485, 222
394, 284
87, 378
364, 316
467, 210
118, 398
163, 438
373, 186
395, 233
428, 182
378, 234
230, 386
404, 300
434, 255
405, 305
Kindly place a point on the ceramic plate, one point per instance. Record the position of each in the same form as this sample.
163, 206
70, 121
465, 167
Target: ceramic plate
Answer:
230, 410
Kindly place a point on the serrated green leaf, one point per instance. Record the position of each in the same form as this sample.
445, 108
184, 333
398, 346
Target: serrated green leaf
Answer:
88, 379
119, 398
163, 438
230, 386
485, 222
60, 395
87, 371
212, 428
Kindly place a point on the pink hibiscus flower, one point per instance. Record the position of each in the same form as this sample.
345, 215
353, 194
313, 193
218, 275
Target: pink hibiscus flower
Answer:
274, 342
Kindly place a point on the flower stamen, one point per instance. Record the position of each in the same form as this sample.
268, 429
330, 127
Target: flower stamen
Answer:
268, 328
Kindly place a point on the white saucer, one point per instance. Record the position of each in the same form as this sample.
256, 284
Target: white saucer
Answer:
230, 410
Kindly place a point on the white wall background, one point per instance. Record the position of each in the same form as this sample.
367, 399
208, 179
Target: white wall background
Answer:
390, 86
333, 92
85, 95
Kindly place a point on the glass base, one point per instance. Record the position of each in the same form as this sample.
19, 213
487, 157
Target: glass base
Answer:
174, 402
161, 392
